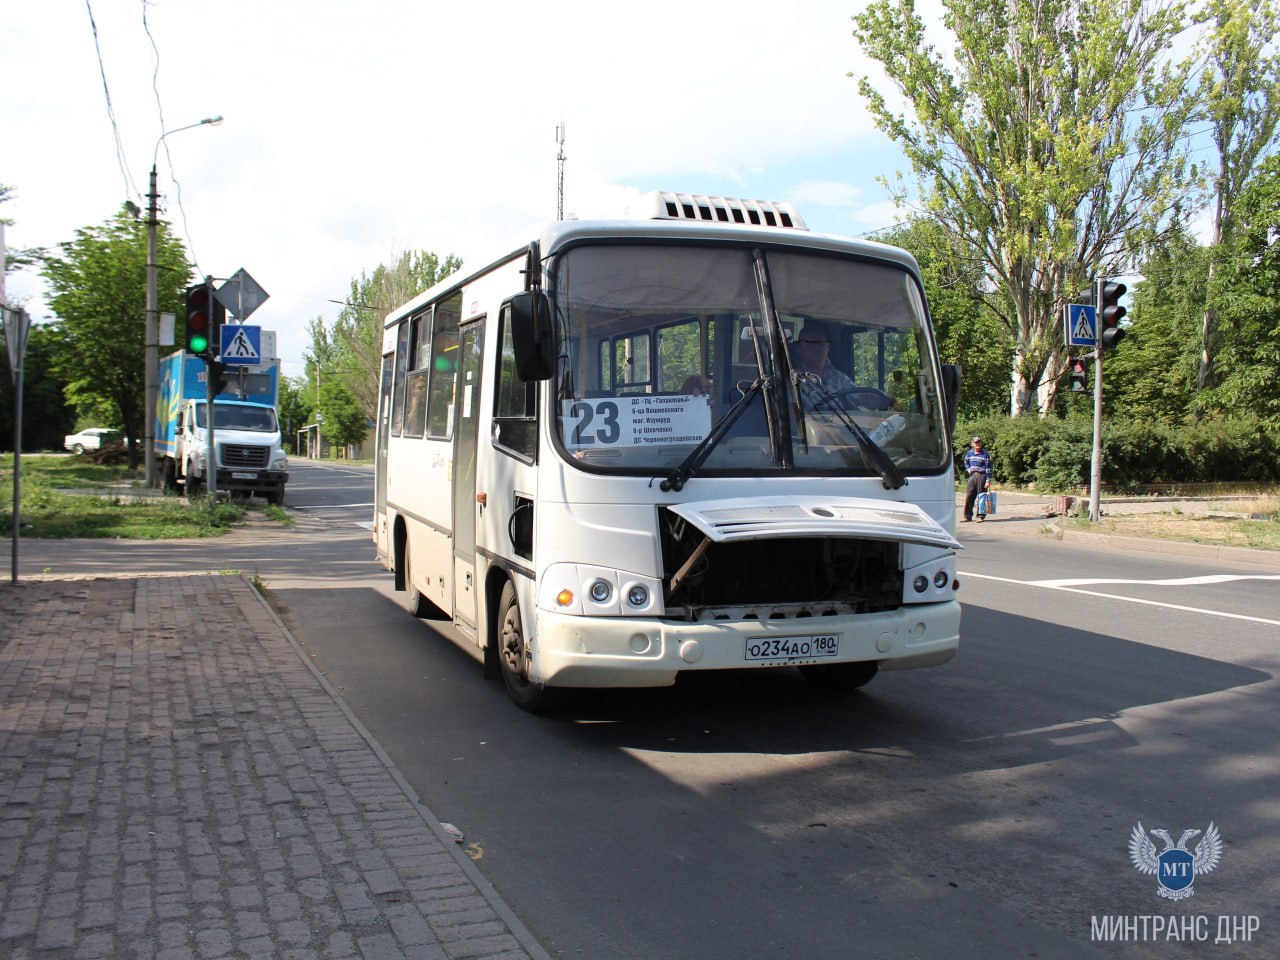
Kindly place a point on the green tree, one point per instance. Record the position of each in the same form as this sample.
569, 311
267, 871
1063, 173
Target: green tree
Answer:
297, 404
98, 293
1248, 362
1048, 152
21, 257
1240, 96
344, 420
352, 349
46, 415
1152, 376
968, 334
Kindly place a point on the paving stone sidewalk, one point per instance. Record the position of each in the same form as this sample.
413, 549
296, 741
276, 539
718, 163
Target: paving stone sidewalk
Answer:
177, 781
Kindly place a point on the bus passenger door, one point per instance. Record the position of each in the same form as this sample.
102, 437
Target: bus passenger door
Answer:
466, 438
384, 431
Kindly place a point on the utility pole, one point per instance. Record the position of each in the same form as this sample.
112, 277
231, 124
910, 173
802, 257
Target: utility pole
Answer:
560, 180
152, 329
152, 334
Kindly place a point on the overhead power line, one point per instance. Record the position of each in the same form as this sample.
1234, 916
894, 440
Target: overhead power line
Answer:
129, 188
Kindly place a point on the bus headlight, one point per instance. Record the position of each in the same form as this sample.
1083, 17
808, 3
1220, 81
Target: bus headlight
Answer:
588, 590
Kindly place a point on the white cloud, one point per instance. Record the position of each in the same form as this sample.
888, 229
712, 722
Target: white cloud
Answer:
355, 132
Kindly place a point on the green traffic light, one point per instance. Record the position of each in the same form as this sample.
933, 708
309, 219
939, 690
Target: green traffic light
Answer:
199, 344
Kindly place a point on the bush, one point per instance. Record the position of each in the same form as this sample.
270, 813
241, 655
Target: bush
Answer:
1055, 455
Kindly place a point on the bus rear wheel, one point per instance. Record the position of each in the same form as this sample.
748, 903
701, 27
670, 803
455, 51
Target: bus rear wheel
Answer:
414, 601
513, 654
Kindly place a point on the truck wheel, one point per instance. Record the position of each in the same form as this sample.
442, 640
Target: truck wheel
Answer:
276, 498
193, 486
170, 476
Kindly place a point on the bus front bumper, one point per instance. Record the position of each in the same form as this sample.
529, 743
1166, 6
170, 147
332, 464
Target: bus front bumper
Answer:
578, 651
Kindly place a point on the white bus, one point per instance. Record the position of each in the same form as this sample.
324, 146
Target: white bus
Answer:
615, 454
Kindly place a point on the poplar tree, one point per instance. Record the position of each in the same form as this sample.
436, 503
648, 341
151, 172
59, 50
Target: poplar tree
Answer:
1048, 142
1240, 100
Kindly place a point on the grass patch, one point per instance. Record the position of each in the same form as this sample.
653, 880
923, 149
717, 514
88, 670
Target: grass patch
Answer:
1188, 528
71, 497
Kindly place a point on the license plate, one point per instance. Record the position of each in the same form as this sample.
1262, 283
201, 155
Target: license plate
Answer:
793, 648
244, 476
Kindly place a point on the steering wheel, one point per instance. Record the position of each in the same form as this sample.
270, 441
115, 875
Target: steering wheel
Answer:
869, 398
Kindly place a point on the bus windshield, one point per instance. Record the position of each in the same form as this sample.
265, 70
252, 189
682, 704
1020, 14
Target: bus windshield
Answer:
808, 349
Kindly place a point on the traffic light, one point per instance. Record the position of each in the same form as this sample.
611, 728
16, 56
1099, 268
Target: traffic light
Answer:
200, 320
1110, 332
1079, 379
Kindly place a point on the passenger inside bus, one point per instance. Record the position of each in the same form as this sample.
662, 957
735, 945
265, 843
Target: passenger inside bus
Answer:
696, 385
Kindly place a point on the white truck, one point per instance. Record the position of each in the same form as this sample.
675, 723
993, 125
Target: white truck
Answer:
246, 433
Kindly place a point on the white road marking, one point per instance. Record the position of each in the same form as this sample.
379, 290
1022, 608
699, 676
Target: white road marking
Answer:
1059, 585
1179, 582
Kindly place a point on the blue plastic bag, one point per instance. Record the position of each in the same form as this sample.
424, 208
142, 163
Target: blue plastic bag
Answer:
986, 503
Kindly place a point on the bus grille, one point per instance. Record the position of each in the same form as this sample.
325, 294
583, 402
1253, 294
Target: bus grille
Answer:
241, 456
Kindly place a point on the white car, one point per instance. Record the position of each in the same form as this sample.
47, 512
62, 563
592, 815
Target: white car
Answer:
93, 438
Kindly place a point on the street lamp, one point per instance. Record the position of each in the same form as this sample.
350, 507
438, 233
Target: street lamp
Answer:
152, 333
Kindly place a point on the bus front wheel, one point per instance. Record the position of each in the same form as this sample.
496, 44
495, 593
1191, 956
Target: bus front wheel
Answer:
513, 654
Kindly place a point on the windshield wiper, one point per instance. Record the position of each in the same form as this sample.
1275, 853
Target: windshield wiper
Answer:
676, 480
876, 458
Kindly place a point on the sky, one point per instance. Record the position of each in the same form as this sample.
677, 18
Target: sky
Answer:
355, 132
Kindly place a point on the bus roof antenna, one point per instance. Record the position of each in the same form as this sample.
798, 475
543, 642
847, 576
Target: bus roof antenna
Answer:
560, 179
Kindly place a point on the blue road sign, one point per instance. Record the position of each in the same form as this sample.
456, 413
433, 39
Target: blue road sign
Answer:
241, 344
1082, 325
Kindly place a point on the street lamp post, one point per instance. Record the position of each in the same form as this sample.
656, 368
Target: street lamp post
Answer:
152, 332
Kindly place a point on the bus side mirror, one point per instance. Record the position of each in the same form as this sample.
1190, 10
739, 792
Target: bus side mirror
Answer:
951, 389
533, 336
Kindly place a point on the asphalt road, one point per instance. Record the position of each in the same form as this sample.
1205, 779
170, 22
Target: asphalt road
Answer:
981, 809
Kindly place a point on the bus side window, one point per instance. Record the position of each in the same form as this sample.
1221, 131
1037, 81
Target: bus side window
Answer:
444, 366
515, 424
402, 369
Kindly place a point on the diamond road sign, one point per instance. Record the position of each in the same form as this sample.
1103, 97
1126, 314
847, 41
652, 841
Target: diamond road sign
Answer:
241, 295
1082, 325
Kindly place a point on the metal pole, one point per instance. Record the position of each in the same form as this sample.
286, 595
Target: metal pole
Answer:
152, 335
1095, 471
17, 472
212, 376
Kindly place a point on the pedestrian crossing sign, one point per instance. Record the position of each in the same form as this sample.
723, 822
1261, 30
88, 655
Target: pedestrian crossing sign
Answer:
1082, 325
241, 344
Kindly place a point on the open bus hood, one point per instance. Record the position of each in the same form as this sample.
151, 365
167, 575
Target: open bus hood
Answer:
768, 518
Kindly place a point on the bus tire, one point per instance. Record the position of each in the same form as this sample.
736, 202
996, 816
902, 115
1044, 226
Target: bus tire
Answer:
513, 654
414, 601
840, 677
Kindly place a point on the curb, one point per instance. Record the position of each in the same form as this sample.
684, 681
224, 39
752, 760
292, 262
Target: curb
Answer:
482, 885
